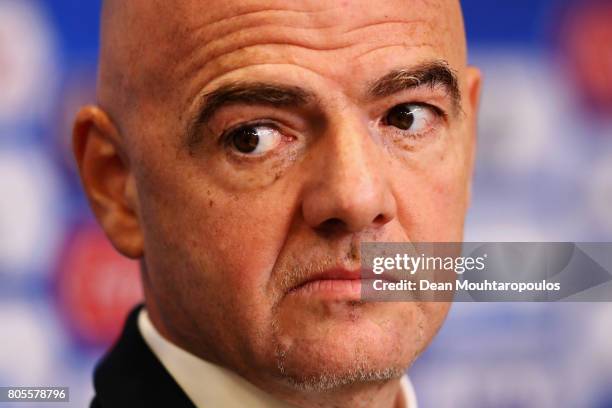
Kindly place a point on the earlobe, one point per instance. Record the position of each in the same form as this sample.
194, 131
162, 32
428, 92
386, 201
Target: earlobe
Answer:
107, 179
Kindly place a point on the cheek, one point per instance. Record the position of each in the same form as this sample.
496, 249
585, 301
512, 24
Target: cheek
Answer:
244, 235
223, 242
432, 198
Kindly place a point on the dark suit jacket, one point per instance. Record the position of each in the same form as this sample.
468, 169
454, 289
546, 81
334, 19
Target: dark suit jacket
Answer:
131, 376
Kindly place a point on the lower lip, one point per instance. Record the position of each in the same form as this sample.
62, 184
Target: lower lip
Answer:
349, 289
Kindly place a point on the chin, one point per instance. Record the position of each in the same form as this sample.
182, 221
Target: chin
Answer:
364, 343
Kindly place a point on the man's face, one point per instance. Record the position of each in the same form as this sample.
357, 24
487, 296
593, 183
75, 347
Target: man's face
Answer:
267, 141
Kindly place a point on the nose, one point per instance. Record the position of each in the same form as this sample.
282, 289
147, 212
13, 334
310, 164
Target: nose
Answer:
348, 189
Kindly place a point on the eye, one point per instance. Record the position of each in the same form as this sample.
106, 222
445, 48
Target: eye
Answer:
254, 140
414, 118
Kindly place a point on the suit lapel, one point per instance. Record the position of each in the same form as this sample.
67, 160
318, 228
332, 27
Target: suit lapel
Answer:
131, 376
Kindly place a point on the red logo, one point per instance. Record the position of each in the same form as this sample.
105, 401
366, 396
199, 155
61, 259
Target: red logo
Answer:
96, 286
587, 41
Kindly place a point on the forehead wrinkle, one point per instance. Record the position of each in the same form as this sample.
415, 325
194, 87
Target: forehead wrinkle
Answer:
270, 34
269, 17
264, 60
301, 35
207, 35
310, 39
271, 51
241, 39
245, 9
402, 45
374, 24
254, 18
214, 37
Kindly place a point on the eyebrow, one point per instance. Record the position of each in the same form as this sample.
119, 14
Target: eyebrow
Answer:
432, 74
435, 73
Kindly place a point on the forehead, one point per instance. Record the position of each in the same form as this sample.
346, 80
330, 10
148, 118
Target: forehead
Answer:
193, 45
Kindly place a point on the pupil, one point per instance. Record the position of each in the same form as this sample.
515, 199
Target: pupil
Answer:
246, 140
401, 117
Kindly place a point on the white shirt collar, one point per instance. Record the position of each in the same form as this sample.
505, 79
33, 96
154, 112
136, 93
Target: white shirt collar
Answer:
224, 388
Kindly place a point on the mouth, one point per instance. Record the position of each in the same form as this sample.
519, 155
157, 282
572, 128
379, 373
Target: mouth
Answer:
336, 284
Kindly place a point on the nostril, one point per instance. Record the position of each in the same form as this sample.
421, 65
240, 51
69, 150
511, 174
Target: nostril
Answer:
332, 223
379, 220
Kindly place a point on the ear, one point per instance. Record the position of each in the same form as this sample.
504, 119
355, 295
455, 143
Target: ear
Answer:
473, 87
107, 179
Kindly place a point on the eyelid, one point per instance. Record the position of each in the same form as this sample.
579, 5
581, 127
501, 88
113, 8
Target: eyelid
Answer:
434, 104
224, 137
437, 111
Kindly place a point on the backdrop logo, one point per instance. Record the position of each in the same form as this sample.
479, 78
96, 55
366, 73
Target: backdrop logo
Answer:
587, 38
96, 286
27, 61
